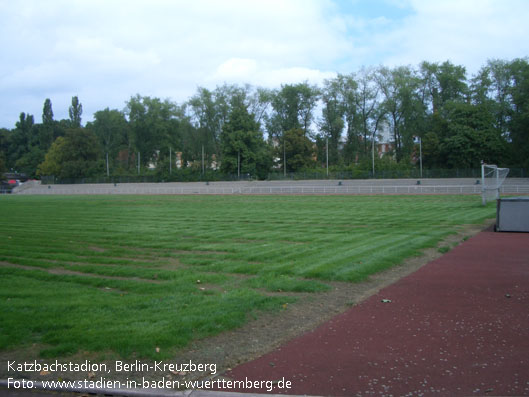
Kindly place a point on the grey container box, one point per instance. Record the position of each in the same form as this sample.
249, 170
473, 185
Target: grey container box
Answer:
512, 214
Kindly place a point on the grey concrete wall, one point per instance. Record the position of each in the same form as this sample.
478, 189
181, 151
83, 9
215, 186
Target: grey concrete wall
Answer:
360, 186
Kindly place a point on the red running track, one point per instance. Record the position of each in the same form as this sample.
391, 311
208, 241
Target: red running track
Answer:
457, 326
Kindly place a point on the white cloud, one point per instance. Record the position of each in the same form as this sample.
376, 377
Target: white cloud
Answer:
467, 32
273, 78
241, 71
105, 51
236, 69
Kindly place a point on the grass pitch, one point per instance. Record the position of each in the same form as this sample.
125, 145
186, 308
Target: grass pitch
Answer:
145, 275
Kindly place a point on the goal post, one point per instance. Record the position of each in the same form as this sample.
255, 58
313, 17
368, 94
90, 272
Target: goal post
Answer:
492, 177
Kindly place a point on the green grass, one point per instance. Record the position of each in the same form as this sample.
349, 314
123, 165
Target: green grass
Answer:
444, 249
127, 274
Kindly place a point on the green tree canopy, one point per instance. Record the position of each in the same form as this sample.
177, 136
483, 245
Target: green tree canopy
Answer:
209, 111
153, 126
298, 149
47, 130
24, 154
76, 155
112, 130
3, 151
460, 121
442, 83
293, 107
75, 111
332, 121
470, 137
402, 105
243, 146
518, 113
47, 112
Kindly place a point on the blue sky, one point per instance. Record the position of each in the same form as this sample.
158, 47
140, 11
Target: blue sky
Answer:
105, 51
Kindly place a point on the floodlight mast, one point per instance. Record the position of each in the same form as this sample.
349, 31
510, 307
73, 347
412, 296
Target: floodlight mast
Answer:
373, 153
420, 154
284, 157
483, 199
327, 150
202, 159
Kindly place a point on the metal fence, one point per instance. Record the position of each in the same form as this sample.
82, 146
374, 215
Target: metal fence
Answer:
412, 173
214, 176
388, 186
184, 177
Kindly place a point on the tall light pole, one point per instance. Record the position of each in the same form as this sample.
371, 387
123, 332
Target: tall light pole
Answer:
420, 154
170, 162
483, 198
284, 158
373, 153
327, 150
202, 159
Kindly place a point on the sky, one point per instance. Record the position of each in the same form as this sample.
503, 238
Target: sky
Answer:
105, 51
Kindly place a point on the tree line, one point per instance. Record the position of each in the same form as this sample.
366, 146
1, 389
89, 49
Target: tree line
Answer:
458, 120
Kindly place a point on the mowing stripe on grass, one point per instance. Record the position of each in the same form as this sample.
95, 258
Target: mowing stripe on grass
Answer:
112, 248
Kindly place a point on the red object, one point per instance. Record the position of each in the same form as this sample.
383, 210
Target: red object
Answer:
457, 326
12, 182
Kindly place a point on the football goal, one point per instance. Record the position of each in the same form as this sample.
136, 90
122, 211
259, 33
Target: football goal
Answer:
492, 178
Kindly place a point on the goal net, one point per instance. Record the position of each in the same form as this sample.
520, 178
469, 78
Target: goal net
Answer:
492, 178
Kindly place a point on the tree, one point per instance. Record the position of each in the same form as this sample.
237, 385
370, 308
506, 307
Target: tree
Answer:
4, 136
54, 159
243, 148
332, 122
292, 108
491, 88
3, 168
442, 83
47, 112
518, 113
349, 95
24, 154
76, 155
402, 104
369, 110
25, 124
209, 110
75, 112
153, 127
208, 113
46, 131
298, 149
30, 160
470, 137
503, 86
430, 150
258, 104
111, 127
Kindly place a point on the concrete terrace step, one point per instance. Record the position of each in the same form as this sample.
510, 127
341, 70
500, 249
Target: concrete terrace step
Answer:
367, 186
